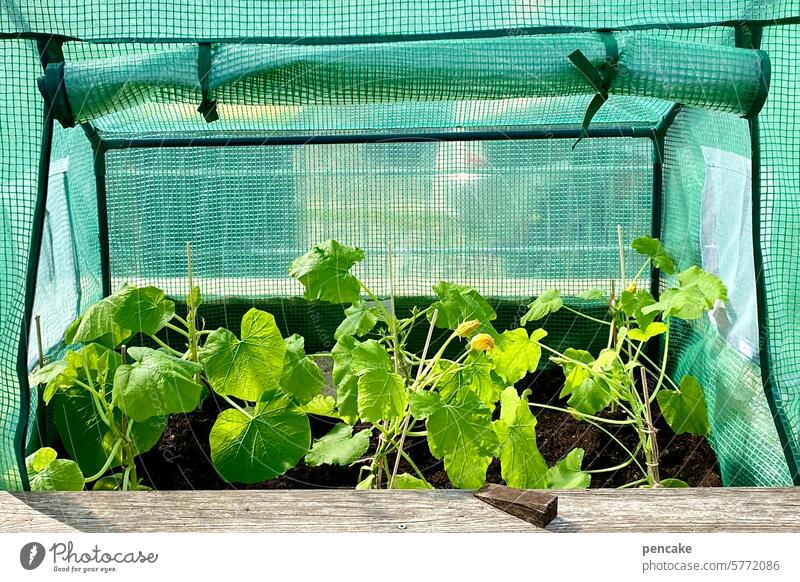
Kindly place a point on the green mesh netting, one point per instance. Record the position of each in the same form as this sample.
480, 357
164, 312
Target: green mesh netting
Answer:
437, 70
510, 216
707, 221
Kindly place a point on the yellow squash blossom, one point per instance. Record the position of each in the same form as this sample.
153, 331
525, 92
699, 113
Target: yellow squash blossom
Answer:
482, 342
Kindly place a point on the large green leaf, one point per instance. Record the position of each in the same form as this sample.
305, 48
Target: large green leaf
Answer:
711, 286
682, 302
345, 379
567, 473
460, 432
145, 434
339, 447
246, 367
642, 335
381, 395
406, 481
88, 439
423, 404
351, 359
302, 377
81, 430
156, 384
55, 376
366, 483
325, 272
521, 463
359, 320
516, 354
632, 304
478, 377
98, 323
593, 294
321, 405
114, 482
260, 443
697, 292
586, 393
144, 309
548, 302
370, 355
652, 248
674, 483
459, 303
47, 473
685, 409
100, 362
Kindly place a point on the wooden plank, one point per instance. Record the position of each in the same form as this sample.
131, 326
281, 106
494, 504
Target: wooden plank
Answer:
668, 510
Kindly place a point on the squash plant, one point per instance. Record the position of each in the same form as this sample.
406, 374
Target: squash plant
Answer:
622, 377
112, 402
394, 393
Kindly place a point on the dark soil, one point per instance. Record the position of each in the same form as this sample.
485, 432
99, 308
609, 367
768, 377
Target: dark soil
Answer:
181, 460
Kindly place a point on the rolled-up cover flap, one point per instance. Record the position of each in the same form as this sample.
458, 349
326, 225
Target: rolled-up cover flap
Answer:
720, 78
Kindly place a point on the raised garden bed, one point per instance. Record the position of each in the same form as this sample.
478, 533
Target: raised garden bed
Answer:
665, 510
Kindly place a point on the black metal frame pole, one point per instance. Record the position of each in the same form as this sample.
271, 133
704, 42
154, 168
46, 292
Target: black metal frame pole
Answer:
658, 137
99, 149
545, 132
102, 218
657, 202
32, 273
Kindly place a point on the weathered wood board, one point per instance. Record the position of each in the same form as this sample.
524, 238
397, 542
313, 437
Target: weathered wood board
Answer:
669, 510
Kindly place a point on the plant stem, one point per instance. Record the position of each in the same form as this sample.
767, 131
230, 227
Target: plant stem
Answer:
100, 404
176, 329
407, 415
230, 401
589, 317
632, 484
642, 356
166, 346
181, 320
651, 432
621, 258
663, 368
584, 365
413, 466
109, 460
386, 315
380, 453
191, 316
126, 478
616, 467
573, 412
393, 320
436, 358
640, 271
600, 427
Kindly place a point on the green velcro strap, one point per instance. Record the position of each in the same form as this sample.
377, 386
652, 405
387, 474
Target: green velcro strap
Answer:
589, 72
207, 107
600, 78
